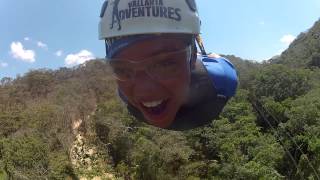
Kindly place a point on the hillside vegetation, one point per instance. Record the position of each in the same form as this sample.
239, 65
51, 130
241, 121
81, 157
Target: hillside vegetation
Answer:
304, 51
269, 130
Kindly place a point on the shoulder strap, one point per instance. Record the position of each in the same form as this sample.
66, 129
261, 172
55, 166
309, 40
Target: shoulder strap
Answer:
201, 86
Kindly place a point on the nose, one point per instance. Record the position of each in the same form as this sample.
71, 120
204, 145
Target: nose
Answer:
145, 86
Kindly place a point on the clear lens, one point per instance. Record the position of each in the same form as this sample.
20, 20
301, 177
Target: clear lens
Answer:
167, 68
123, 74
121, 70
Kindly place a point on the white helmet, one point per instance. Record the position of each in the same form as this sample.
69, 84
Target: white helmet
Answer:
133, 17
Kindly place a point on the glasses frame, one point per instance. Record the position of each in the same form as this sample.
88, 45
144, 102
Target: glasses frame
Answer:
145, 63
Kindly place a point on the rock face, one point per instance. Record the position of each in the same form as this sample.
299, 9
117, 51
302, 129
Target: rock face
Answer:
82, 155
85, 159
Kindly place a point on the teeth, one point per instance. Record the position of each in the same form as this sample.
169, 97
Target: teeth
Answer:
152, 104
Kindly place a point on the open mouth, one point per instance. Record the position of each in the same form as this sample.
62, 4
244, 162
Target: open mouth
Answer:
155, 108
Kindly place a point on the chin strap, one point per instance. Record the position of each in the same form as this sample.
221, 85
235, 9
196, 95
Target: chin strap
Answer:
200, 44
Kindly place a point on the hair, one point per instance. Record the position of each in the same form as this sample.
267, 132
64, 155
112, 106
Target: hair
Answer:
189, 39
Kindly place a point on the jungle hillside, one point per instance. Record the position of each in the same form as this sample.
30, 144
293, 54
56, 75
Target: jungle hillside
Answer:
70, 124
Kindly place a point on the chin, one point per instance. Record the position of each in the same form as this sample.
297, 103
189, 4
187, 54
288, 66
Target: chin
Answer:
162, 123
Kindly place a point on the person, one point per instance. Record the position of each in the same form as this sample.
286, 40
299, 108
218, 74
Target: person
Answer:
161, 77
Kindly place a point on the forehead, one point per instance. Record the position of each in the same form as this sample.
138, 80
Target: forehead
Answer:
151, 47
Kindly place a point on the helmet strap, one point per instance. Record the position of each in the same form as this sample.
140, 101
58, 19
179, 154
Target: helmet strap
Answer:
107, 48
193, 53
200, 44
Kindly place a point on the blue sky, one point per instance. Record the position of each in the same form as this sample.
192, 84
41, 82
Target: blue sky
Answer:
51, 34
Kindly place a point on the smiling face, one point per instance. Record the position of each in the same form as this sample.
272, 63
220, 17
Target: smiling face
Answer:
158, 99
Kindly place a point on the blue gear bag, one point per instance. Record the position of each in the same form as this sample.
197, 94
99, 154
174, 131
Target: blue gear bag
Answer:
222, 74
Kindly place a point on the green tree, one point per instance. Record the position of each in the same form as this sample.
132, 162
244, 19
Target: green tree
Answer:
25, 157
301, 134
280, 82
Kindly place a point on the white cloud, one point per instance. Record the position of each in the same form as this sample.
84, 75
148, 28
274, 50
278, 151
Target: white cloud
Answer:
26, 38
280, 51
42, 45
3, 64
59, 53
18, 52
287, 39
79, 58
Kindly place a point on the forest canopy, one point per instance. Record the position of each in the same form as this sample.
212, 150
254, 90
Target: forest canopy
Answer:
269, 130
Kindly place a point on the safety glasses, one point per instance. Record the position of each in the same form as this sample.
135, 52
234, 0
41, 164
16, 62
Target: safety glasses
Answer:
162, 66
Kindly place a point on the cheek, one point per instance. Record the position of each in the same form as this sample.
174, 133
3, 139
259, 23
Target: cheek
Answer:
126, 90
179, 86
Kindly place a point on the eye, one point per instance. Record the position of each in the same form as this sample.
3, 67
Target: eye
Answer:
122, 73
167, 63
120, 70
165, 68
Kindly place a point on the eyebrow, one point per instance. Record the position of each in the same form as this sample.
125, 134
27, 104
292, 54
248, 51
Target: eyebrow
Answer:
165, 50
145, 59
